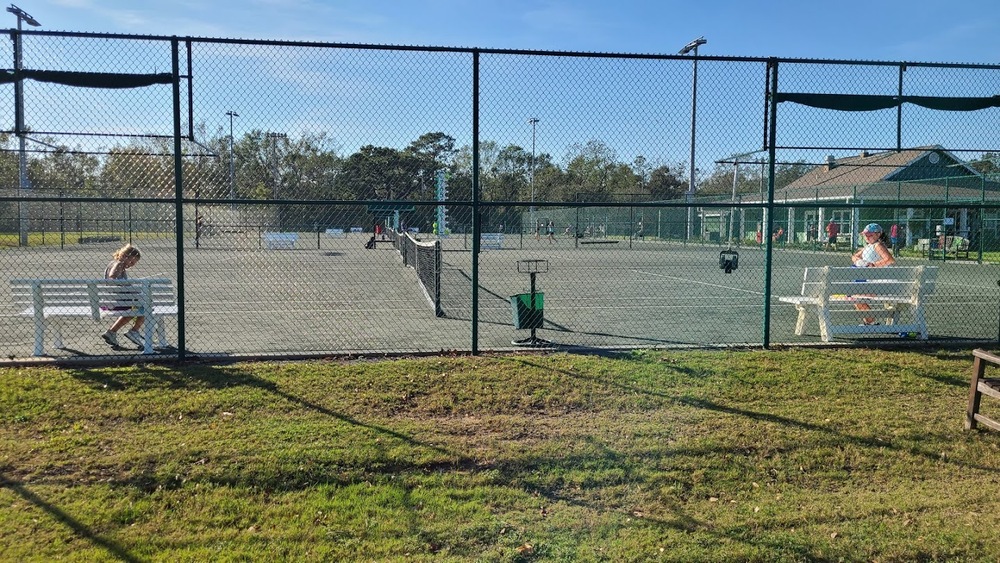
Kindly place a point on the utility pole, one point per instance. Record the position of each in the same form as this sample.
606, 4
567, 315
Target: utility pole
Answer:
534, 124
22, 161
232, 162
692, 46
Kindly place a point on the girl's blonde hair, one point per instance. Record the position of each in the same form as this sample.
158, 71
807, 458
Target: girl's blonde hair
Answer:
127, 251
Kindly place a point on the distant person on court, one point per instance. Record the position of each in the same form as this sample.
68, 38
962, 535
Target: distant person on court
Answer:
126, 257
832, 231
894, 239
199, 225
874, 254
552, 231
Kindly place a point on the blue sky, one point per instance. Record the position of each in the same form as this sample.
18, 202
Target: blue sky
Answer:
961, 31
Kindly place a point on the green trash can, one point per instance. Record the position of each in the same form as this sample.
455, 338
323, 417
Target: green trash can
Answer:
524, 315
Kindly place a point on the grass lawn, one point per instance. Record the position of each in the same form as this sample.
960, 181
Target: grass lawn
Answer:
798, 455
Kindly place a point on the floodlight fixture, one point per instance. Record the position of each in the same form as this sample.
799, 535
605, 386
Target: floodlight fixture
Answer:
737, 158
693, 46
23, 16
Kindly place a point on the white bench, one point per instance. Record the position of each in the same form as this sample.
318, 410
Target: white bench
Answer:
888, 291
490, 241
336, 233
280, 240
97, 298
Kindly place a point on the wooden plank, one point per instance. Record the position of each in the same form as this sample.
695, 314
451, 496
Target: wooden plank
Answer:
987, 421
988, 356
989, 387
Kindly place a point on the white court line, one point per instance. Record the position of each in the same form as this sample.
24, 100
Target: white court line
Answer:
750, 291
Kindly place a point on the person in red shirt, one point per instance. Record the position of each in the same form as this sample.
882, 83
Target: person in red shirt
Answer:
832, 230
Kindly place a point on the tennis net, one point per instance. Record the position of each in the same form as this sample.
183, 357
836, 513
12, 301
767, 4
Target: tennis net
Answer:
425, 259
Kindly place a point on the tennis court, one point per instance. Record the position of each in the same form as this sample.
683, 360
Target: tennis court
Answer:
331, 295
666, 294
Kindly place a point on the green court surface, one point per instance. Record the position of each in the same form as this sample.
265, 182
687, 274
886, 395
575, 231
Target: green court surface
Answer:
331, 295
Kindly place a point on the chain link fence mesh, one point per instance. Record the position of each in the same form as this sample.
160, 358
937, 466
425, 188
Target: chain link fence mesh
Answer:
310, 199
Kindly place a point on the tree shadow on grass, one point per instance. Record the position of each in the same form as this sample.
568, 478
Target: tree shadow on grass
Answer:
717, 407
62, 517
147, 377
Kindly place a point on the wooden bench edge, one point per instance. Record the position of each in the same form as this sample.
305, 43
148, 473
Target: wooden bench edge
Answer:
988, 356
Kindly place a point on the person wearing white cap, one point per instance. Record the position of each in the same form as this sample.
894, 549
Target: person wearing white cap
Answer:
874, 254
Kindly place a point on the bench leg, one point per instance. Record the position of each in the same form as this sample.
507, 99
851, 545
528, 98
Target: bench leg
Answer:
57, 336
147, 335
800, 322
975, 397
824, 324
161, 333
39, 336
918, 316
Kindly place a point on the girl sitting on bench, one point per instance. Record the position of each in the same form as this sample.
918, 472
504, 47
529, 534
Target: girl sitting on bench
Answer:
126, 257
874, 254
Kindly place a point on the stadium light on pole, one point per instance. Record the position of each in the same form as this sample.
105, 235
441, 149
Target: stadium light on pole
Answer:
534, 124
692, 46
22, 162
232, 169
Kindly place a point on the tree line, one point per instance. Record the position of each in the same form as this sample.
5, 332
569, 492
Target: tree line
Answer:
269, 166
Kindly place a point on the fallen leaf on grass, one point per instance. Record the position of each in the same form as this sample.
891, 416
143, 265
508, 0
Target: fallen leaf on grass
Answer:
526, 549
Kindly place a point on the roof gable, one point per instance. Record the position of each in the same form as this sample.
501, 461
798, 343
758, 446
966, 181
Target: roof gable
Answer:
873, 168
918, 174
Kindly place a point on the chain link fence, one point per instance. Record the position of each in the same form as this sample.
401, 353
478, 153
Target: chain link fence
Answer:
306, 199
